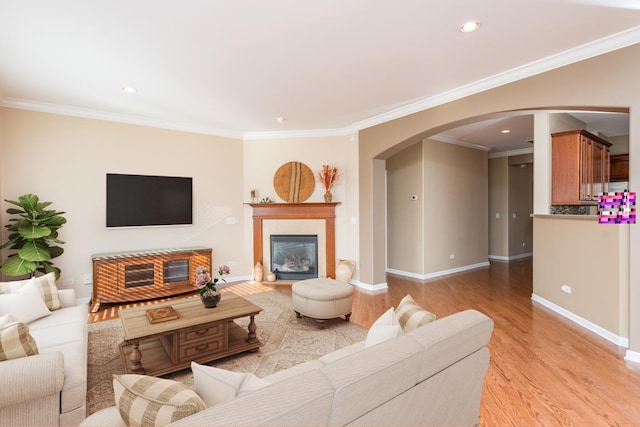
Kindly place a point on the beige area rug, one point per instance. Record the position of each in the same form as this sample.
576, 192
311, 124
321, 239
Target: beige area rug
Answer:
287, 341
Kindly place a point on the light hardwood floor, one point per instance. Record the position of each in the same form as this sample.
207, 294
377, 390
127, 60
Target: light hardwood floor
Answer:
544, 371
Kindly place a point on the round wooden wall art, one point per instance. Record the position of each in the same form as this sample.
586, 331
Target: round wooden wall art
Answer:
294, 182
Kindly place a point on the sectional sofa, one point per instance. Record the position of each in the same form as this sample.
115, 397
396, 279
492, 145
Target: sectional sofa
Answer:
44, 380
432, 375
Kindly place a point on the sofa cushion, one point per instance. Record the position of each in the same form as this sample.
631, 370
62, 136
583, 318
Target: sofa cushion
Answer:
65, 331
25, 305
215, 385
344, 351
384, 328
300, 368
367, 379
411, 315
16, 342
6, 319
151, 401
302, 400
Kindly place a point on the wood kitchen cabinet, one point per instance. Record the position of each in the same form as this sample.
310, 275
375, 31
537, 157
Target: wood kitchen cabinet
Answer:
134, 276
619, 167
580, 167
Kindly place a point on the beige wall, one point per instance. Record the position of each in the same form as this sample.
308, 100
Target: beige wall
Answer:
405, 239
520, 209
609, 80
262, 158
456, 205
449, 217
65, 160
499, 205
588, 257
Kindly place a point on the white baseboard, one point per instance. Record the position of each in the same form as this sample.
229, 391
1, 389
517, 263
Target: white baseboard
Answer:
369, 288
438, 273
609, 336
632, 356
510, 258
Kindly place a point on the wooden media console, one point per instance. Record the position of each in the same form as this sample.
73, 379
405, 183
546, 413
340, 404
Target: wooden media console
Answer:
141, 275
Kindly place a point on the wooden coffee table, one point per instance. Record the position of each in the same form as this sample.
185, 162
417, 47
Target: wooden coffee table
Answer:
198, 334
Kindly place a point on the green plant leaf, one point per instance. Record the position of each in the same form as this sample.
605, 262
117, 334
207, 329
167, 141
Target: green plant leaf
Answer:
28, 202
16, 266
55, 221
35, 250
56, 251
47, 267
34, 232
12, 240
41, 206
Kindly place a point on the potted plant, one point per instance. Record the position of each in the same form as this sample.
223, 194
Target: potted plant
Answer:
34, 235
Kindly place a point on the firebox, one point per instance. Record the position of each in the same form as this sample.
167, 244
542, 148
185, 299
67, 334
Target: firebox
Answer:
294, 256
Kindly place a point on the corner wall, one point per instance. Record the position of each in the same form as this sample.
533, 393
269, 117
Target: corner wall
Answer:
606, 81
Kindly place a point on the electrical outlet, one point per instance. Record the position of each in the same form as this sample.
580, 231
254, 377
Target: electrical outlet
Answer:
452, 256
566, 289
231, 263
87, 279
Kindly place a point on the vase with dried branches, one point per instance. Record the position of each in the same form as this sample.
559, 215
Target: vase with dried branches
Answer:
328, 176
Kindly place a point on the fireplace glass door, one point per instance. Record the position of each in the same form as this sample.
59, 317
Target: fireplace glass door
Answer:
294, 256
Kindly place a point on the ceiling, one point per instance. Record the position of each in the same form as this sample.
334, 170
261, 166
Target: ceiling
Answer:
330, 67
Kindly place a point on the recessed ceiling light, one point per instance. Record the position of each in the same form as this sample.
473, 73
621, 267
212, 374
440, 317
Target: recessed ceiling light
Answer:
281, 119
469, 27
505, 131
129, 89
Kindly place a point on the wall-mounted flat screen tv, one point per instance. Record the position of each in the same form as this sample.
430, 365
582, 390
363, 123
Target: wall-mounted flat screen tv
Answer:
144, 200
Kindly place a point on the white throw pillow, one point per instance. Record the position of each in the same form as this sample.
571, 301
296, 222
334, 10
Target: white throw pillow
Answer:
12, 286
5, 320
384, 328
215, 385
26, 305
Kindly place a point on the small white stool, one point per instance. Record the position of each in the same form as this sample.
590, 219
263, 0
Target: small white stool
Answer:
322, 299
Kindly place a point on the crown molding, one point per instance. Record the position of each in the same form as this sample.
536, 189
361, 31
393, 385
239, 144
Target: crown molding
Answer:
115, 117
567, 57
247, 136
455, 141
589, 50
511, 153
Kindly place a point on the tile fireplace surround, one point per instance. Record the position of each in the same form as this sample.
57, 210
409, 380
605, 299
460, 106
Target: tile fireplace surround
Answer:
268, 216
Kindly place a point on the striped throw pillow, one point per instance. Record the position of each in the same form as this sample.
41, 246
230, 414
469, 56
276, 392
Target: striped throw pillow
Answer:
151, 401
411, 315
49, 291
16, 341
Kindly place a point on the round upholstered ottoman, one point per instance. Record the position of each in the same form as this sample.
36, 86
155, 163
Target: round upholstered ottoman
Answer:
322, 299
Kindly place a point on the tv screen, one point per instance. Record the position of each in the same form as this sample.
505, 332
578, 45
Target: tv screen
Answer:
143, 200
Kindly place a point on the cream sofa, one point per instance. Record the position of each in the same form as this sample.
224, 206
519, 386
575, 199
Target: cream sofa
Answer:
49, 388
432, 375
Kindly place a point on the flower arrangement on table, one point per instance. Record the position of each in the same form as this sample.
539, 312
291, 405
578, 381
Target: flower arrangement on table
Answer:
207, 285
328, 176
